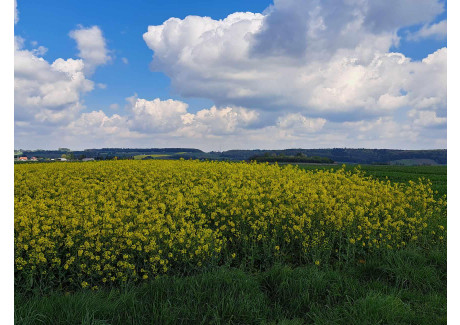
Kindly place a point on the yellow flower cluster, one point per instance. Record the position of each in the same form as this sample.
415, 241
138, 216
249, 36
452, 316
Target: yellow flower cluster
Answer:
92, 224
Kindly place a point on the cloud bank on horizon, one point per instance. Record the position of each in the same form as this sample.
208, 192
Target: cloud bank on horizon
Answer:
304, 73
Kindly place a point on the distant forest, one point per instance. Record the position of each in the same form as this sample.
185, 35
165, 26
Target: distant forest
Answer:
298, 158
338, 155
359, 156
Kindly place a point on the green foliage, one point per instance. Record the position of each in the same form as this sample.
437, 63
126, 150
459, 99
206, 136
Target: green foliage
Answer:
144, 157
386, 289
298, 158
362, 156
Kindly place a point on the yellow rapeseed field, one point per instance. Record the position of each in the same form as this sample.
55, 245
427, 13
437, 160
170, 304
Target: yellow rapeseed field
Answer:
111, 222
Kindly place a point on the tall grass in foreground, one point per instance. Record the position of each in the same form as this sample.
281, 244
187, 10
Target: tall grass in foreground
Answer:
398, 287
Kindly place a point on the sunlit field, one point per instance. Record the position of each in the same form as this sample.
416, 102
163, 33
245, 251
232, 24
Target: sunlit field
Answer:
252, 242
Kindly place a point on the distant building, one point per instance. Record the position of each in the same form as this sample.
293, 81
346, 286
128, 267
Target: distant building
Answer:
34, 159
87, 159
61, 159
23, 158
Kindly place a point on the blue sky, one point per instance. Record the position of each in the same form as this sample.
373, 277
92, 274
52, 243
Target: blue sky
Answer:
305, 73
123, 23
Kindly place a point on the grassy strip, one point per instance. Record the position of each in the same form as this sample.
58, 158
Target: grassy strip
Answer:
401, 174
139, 157
398, 287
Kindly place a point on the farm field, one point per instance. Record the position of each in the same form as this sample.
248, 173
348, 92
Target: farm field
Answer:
188, 242
403, 174
139, 157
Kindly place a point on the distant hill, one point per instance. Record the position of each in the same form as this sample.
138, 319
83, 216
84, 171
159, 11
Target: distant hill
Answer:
298, 158
109, 153
359, 156
339, 155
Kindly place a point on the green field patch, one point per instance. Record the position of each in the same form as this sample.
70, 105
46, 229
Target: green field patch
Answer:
397, 174
140, 157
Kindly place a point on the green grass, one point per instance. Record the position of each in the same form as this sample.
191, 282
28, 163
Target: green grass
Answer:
396, 287
139, 157
402, 174
401, 287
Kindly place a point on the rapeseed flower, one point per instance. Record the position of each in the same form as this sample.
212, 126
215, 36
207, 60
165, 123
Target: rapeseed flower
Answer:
113, 222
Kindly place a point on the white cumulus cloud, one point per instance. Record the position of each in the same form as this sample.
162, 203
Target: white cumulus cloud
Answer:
318, 58
92, 47
301, 124
172, 117
217, 121
304, 73
427, 118
48, 95
47, 92
156, 115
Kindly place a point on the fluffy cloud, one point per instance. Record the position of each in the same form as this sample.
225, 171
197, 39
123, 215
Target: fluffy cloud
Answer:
302, 74
316, 72
48, 95
92, 47
427, 82
93, 129
156, 116
172, 117
437, 30
98, 124
427, 119
316, 29
162, 122
44, 92
169, 123
387, 15
380, 129
326, 59
217, 122
301, 124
